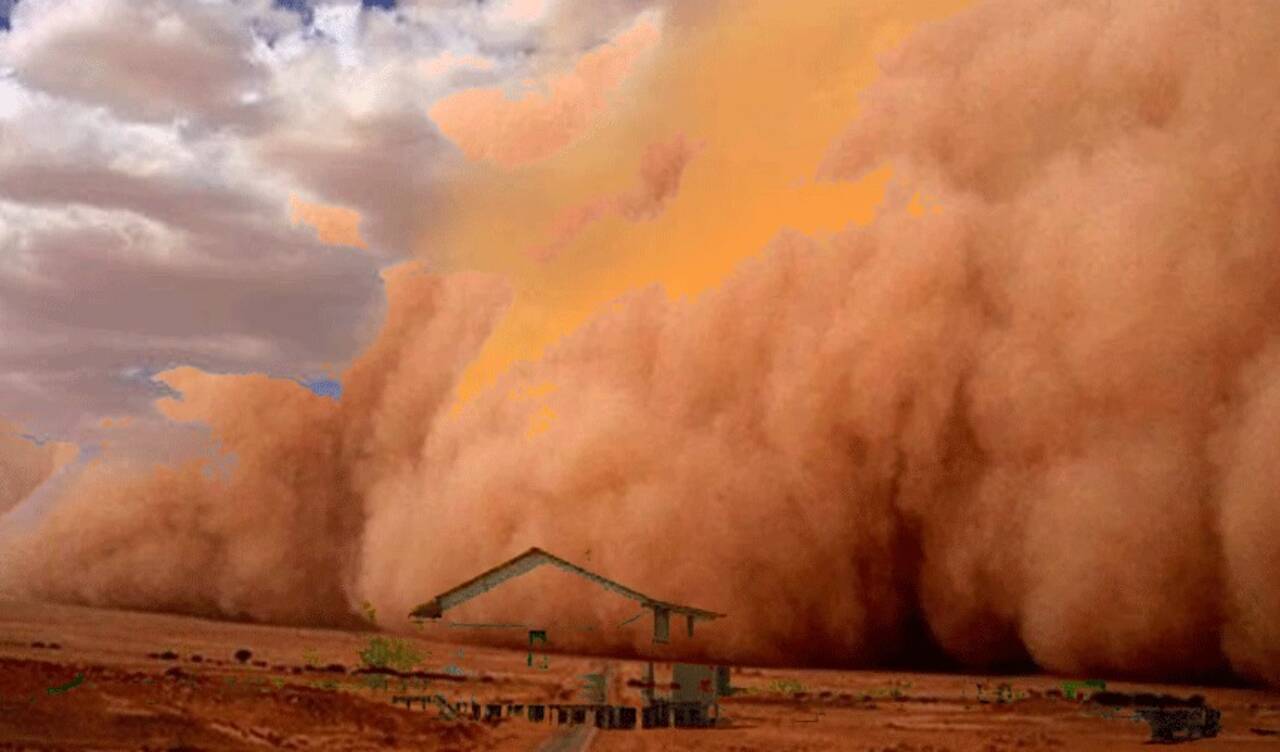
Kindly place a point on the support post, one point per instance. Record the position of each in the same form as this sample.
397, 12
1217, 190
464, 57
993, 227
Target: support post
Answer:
661, 625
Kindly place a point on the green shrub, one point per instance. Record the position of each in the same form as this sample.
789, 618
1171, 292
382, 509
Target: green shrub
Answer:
397, 654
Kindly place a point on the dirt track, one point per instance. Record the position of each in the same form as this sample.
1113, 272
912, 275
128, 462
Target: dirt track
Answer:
119, 680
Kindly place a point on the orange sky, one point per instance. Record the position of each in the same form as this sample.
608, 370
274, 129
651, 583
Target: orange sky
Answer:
762, 110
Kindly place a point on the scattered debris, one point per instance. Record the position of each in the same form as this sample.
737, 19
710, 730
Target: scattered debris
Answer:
1170, 724
1146, 700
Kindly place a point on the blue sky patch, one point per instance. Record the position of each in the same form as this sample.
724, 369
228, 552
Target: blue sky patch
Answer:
304, 9
6, 8
301, 7
325, 387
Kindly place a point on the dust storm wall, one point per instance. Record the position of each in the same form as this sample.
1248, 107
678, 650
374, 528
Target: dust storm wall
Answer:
1033, 406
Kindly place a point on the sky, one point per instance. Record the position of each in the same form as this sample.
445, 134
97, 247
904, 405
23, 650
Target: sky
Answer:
167, 204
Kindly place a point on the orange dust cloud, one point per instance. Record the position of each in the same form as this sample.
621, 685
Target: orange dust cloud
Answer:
487, 124
659, 179
761, 88
334, 225
24, 464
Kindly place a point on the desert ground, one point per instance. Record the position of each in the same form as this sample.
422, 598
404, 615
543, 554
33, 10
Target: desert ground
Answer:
75, 678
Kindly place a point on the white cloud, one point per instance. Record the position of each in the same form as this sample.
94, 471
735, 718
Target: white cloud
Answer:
147, 59
341, 23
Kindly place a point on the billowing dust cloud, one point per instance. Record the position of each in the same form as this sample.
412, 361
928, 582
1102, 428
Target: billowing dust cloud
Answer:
660, 171
488, 124
1034, 413
25, 464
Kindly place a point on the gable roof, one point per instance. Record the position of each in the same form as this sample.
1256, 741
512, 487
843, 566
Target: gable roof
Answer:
530, 560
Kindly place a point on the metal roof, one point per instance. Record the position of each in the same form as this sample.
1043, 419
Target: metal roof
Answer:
532, 559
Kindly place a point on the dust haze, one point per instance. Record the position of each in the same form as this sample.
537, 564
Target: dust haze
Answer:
1032, 411
26, 463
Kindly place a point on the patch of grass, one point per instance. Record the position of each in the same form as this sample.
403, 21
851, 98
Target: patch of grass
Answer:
786, 686
397, 654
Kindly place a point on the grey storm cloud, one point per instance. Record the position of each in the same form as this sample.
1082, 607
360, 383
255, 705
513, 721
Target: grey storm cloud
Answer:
146, 59
139, 245
86, 300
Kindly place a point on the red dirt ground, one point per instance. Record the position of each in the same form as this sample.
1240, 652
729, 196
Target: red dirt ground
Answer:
133, 697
